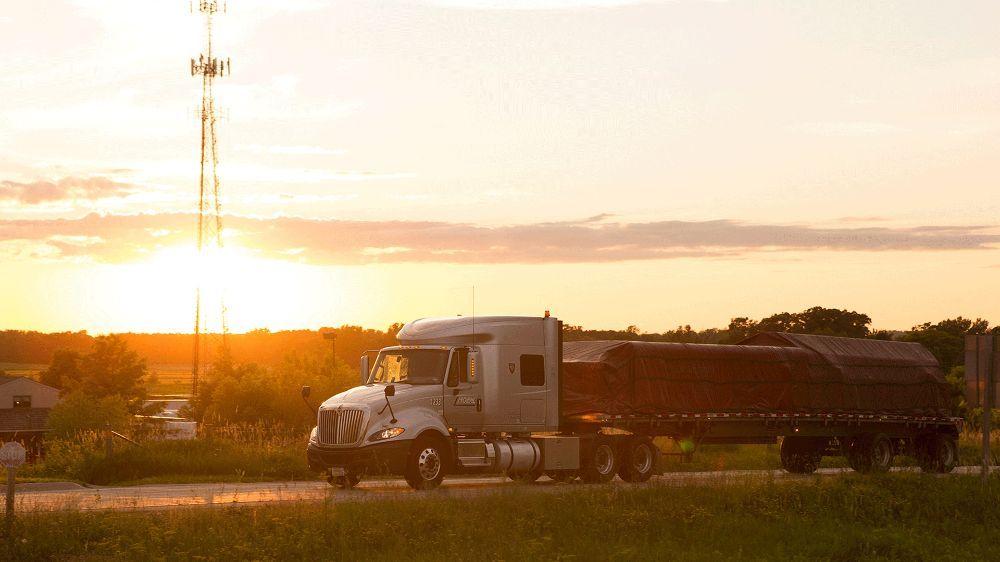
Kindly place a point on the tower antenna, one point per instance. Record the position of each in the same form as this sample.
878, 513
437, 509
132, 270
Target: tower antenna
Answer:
208, 67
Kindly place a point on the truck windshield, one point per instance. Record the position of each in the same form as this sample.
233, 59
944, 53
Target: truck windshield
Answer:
411, 366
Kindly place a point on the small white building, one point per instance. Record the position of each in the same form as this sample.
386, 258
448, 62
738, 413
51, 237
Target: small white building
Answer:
24, 408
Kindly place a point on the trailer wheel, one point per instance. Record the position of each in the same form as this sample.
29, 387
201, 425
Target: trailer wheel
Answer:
800, 455
565, 476
640, 458
871, 453
937, 453
600, 462
426, 463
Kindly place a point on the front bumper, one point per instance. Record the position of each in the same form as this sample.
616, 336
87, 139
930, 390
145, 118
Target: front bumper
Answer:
380, 458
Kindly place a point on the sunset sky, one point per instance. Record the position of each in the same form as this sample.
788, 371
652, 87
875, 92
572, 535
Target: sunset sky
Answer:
648, 163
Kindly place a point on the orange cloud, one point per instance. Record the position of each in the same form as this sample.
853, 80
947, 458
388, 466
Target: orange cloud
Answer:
43, 191
117, 238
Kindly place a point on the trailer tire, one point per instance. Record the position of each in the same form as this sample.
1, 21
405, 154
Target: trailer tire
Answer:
640, 458
426, 463
600, 461
800, 455
937, 453
871, 453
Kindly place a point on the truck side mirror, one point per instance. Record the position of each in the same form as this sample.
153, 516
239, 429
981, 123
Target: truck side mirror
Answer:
390, 390
365, 369
306, 391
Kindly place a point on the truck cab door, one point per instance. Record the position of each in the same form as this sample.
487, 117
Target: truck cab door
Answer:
463, 394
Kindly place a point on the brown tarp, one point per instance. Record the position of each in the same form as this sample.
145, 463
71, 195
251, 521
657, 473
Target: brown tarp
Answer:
768, 373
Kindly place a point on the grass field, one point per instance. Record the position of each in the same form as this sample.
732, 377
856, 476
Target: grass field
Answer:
896, 517
163, 378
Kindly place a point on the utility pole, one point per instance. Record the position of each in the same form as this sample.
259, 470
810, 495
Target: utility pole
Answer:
988, 399
982, 366
208, 67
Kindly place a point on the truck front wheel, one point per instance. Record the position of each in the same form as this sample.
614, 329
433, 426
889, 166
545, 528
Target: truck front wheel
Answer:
639, 460
426, 463
600, 461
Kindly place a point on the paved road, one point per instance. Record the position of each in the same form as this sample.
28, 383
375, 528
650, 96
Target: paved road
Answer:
49, 496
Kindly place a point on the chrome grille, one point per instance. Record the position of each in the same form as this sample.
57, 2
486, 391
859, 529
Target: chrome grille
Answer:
340, 427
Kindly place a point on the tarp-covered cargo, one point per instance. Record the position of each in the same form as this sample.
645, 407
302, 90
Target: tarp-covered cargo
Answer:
771, 372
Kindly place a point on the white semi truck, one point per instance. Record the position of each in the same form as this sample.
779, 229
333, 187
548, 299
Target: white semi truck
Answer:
466, 395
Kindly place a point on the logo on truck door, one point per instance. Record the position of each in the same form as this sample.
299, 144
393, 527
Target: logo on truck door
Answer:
511, 367
465, 400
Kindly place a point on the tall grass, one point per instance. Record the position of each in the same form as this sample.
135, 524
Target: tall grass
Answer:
897, 517
767, 457
224, 453
248, 452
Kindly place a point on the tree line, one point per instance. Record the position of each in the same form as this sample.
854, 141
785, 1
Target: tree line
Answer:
103, 378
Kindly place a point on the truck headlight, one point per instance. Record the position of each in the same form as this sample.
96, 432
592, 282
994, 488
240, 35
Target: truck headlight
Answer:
313, 435
384, 434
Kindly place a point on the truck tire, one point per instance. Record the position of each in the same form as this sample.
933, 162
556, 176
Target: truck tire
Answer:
426, 463
640, 457
937, 453
800, 455
600, 461
871, 453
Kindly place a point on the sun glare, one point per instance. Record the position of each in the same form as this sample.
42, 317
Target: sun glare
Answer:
257, 292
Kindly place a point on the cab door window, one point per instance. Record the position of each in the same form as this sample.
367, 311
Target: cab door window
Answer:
458, 372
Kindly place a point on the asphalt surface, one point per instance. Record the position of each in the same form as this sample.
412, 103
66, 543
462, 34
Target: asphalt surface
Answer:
70, 496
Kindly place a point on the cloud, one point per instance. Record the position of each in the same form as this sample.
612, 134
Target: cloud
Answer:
848, 128
125, 238
304, 150
550, 4
871, 218
67, 188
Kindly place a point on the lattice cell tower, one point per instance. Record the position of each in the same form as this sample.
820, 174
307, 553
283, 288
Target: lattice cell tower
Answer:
208, 67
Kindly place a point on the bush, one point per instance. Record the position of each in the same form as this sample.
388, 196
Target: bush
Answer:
79, 412
251, 394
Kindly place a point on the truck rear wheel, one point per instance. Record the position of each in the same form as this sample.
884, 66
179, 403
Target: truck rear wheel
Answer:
426, 463
871, 453
937, 453
600, 461
800, 455
639, 460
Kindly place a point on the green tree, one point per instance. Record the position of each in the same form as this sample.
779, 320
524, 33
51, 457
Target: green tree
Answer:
79, 411
109, 369
741, 328
815, 320
946, 339
64, 369
251, 393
